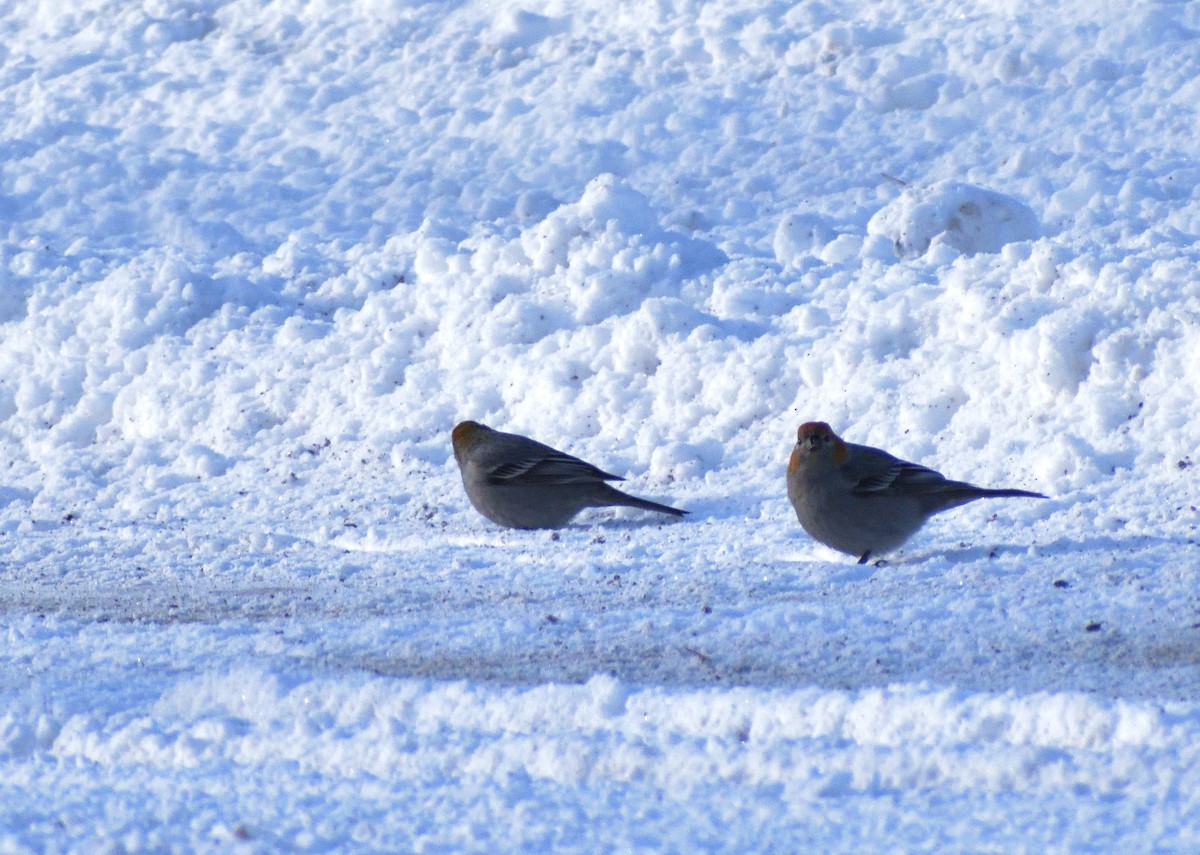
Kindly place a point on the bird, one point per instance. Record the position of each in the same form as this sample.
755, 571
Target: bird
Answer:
863, 501
518, 482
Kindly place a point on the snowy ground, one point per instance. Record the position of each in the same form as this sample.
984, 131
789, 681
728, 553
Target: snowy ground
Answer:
256, 259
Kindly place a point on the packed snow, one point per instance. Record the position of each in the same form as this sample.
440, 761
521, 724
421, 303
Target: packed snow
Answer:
258, 258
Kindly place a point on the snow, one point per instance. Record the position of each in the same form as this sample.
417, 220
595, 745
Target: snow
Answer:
258, 258
964, 219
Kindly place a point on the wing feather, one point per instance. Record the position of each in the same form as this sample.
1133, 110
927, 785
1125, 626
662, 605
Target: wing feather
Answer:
874, 471
550, 467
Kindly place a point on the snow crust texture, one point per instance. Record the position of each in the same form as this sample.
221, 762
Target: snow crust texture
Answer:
258, 258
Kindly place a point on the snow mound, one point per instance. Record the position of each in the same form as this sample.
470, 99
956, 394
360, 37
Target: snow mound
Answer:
607, 253
799, 236
963, 217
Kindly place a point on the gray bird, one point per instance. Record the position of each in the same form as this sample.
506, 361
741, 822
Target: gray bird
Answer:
520, 483
862, 500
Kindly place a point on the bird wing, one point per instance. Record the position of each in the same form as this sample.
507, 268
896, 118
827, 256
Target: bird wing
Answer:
873, 471
548, 467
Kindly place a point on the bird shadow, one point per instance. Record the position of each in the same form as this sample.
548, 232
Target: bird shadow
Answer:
1061, 546
630, 523
846, 570
962, 554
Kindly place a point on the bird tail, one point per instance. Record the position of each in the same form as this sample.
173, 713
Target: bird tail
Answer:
618, 498
952, 494
984, 492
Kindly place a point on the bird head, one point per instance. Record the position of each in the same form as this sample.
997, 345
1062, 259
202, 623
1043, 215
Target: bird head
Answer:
465, 436
816, 440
